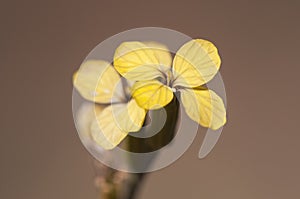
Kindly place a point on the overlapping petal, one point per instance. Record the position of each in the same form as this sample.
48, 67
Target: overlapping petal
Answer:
195, 63
106, 133
151, 94
142, 61
129, 117
204, 106
85, 115
97, 81
113, 124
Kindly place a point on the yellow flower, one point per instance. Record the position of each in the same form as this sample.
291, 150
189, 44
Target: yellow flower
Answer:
149, 67
97, 81
157, 76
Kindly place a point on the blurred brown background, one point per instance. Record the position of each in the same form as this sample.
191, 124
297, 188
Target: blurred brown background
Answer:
44, 42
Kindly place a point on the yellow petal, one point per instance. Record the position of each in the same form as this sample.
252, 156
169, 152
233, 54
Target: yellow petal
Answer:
104, 130
85, 115
128, 117
139, 61
204, 107
115, 122
98, 81
151, 94
162, 54
195, 63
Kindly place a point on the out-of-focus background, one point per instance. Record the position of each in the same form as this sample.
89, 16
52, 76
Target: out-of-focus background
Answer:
44, 42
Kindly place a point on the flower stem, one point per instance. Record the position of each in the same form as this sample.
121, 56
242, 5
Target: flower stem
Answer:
115, 184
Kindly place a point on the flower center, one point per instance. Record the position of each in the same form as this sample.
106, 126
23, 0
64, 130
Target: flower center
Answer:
169, 78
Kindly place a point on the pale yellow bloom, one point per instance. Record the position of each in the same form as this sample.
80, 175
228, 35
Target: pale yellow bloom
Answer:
157, 77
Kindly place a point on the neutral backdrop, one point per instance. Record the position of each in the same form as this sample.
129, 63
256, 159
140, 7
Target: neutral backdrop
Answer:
44, 42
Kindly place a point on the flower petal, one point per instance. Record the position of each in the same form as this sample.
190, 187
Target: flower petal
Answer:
162, 54
97, 81
204, 107
104, 130
142, 61
115, 122
151, 94
195, 63
128, 117
85, 115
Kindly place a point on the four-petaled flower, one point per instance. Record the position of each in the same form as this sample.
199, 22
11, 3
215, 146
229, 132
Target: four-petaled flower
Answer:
154, 76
